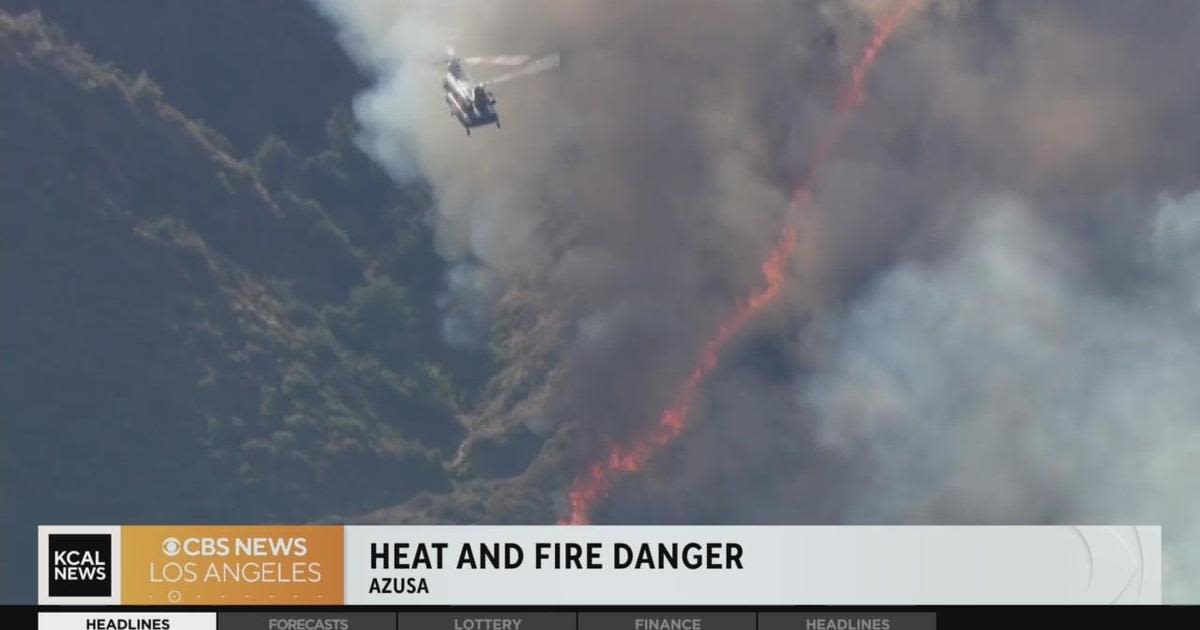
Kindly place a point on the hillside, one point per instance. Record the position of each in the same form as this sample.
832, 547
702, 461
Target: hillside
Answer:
189, 336
276, 71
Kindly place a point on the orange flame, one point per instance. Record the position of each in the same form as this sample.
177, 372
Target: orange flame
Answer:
595, 484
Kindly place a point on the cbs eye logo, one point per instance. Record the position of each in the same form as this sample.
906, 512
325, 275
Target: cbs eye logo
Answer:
171, 547
80, 565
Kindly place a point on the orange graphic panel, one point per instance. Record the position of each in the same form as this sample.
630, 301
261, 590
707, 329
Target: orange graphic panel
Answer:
231, 564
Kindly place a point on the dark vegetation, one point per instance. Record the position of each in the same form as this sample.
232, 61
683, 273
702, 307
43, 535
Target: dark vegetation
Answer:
250, 68
198, 327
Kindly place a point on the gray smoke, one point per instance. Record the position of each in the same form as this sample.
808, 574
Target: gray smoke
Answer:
633, 189
1026, 358
960, 356
1004, 383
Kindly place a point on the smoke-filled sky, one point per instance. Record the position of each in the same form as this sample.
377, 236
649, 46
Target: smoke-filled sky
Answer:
992, 317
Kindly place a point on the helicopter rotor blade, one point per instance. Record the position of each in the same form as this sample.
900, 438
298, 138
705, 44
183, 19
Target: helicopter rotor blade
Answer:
537, 66
435, 59
498, 60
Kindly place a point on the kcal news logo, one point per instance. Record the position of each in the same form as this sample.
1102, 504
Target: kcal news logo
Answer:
80, 565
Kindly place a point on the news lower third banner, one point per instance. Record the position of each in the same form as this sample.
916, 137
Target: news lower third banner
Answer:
597, 565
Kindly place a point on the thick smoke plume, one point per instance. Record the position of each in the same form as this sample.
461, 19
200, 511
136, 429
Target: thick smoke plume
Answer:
631, 192
1005, 383
593, 486
991, 307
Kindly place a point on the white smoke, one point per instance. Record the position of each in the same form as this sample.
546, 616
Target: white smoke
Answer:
1005, 383
626, 188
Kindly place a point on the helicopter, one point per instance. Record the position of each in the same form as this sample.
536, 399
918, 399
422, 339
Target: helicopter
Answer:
472, 103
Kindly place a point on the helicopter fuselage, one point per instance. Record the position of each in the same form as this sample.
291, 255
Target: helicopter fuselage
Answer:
470, 103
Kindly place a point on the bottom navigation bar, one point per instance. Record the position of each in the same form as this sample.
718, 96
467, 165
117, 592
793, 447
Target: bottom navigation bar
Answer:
127, 621
553, 620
